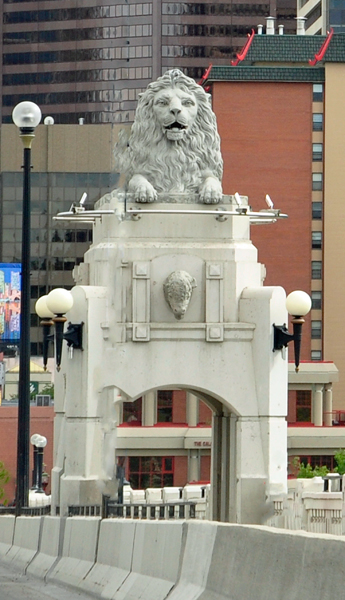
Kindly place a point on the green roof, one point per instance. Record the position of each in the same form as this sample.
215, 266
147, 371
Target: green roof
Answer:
283, 58
259, 73
294, 48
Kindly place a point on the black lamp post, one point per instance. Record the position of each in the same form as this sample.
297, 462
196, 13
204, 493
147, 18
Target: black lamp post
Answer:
39, 442
26, 115
298, 304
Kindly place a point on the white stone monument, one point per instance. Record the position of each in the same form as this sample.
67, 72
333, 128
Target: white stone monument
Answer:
171, 295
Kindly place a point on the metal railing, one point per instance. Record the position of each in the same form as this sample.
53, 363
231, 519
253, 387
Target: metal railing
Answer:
178, 510
28, 511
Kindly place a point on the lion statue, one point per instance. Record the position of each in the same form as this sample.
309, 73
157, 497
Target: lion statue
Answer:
174, 146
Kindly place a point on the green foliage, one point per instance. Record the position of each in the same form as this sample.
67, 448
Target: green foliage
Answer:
340, 460
4, 478
49, 390
307, 471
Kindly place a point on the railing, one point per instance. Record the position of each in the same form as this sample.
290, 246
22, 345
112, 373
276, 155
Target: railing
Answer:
28, 511
178, 510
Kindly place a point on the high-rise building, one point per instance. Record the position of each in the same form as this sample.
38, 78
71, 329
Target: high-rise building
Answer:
322, 15
67, 160
91, 59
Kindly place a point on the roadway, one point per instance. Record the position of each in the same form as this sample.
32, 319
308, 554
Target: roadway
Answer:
16, 586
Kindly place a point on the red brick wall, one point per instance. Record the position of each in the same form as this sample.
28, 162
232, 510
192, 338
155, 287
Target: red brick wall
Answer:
266, 130
41, 422
180, 471
205, 468
179, 406
205, 414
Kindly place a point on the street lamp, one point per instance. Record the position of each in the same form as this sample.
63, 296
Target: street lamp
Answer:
52, 308
298, 304
26, 115
39, 442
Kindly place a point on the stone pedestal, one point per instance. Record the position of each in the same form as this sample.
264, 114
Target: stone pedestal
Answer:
220, 351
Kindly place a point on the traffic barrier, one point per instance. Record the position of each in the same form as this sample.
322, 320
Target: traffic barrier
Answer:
7, 523
25, 542
50, 547
78, 552
114, 558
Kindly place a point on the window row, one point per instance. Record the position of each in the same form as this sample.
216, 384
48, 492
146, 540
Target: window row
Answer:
82, 97
77, 14
200, 51
188, 8
60, 56
76, 35
204, 30
63, 180
73, 76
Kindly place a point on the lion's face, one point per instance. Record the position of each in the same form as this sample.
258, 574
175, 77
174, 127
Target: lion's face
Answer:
175, 111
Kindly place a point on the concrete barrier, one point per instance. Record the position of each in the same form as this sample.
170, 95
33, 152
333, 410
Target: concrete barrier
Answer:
197, 556
157, 554
262, 563
25, 542
7, 523
50, 547
78, 552
190, 560
114, 558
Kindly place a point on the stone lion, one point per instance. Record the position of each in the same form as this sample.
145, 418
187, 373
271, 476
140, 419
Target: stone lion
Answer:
174, 146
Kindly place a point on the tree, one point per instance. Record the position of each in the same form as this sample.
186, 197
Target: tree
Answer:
307, 471
4, 478
49, 390
340, 460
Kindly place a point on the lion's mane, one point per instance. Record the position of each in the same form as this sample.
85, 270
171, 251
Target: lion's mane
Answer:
180, 166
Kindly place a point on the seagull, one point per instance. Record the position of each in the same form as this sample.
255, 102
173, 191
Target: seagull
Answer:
269, 202
238, 199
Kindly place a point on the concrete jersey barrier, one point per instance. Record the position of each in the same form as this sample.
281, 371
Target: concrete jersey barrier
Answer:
50, 547
25, 542
114, 558
7, 523
152, 560
78, 552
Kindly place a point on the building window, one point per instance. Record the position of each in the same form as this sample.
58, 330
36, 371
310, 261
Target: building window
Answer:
132, 412
164, 406
316, 330
316, 269
317, 122
317, 182
316, 355
316, 208
150, 471
317, 152
303, 406
318, 92
316, 300
316, 239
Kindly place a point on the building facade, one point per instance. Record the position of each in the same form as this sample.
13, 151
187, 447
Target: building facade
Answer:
322, 15
67, 161
91, 59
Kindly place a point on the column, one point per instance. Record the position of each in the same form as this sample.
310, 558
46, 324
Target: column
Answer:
149, 409
328, 405
193, 465
318, 405
223, 468
192, 410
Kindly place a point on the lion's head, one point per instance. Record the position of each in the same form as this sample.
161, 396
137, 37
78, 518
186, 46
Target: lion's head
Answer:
174, 141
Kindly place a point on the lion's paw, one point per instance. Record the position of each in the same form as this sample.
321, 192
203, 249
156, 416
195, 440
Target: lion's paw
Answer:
211, 191
142, 190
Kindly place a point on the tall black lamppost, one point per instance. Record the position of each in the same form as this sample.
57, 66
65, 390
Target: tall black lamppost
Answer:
26, 115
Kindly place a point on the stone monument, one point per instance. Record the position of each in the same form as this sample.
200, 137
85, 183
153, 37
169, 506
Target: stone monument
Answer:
171, 296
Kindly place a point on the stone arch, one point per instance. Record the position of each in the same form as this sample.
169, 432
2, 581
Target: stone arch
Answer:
223, 450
